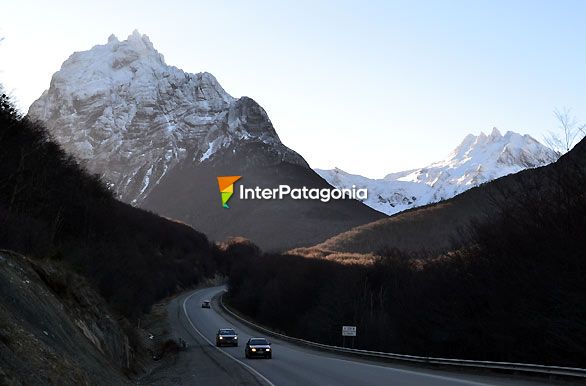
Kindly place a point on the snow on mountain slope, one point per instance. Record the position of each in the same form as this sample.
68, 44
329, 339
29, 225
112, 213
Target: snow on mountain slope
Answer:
131, 118
478, 159
161, 136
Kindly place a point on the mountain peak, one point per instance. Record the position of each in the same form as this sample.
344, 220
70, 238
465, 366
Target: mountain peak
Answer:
113, 64
483, 149
495, 133
112, 39
139, 40
477, 159
136, 35
159, 136
122, 100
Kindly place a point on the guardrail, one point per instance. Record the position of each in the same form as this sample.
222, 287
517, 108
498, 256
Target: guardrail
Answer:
471, 364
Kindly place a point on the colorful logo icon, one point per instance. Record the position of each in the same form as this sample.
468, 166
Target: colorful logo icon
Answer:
226, 184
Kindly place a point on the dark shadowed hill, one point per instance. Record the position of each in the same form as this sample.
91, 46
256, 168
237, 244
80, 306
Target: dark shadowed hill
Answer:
190, 193
94, 265
442, 226
512, 291
51, 208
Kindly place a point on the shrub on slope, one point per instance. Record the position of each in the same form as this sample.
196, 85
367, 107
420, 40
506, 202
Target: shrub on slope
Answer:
50, 207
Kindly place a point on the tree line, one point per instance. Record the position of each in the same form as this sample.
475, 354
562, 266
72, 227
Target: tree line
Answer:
515, 293
51, 208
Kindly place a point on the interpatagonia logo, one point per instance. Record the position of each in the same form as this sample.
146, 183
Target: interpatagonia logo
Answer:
303, 193
226, 184
281, 192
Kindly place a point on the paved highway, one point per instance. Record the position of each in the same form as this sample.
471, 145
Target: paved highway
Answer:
294, 365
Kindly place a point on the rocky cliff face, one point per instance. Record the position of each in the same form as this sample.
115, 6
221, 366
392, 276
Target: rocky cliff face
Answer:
160, 136
54, 329
130, 117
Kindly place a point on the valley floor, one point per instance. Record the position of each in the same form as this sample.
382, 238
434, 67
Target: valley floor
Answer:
293, 365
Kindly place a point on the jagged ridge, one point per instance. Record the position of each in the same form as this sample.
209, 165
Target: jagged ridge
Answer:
478, 159
129, 116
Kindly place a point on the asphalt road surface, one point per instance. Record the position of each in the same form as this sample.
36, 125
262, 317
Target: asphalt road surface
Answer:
294, 365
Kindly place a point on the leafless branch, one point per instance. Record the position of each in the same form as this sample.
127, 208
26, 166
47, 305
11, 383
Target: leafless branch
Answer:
569, 132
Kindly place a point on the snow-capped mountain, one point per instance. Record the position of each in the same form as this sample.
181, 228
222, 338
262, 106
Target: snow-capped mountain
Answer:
160, 137
478, 159
129, 116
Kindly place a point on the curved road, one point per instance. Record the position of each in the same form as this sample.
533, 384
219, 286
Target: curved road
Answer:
294, 365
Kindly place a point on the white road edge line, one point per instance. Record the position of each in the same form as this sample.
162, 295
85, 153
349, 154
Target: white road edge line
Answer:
423, 374
249, 368
390, 367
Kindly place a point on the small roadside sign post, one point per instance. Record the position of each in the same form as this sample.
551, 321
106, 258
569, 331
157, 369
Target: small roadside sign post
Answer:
348, 331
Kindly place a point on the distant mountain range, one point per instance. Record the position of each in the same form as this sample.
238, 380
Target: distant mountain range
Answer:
445, 226
478, 159
160, 136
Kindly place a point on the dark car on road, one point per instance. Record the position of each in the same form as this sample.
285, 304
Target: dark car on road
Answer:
258, 347
226, 337
205, 304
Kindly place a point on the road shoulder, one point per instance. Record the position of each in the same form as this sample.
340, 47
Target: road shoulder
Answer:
199, 363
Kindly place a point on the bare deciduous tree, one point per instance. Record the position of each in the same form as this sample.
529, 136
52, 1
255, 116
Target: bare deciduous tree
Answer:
569, 132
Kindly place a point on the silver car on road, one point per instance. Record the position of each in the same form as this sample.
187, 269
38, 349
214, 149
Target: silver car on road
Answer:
226, 337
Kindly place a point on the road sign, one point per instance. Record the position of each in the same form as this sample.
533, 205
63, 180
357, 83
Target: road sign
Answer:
348, 330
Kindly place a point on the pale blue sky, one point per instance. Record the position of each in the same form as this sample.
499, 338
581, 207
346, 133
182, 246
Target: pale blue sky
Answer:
371, 88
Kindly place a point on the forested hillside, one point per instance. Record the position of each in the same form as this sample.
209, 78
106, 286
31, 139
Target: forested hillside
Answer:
515, 292
51, 208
